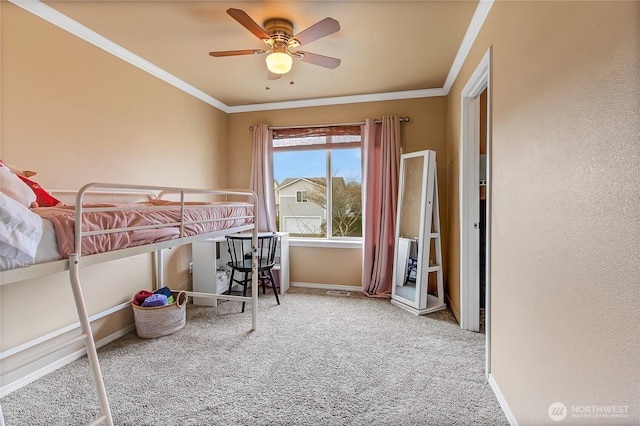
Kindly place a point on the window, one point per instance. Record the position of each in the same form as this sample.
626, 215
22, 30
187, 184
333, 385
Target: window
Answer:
301, 196
318, 173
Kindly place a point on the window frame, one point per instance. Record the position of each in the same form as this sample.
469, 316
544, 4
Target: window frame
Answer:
299, 196
328, 146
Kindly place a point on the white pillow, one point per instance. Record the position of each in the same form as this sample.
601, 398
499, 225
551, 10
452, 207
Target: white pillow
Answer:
12, 186
20, 231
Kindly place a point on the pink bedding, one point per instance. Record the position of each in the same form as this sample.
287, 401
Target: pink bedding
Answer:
217, 216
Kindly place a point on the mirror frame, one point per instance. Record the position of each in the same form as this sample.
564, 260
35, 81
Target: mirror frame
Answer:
420, 298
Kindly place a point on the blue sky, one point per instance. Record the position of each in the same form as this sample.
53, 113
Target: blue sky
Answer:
289, 164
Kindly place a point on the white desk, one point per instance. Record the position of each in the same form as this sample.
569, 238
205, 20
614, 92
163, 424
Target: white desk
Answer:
206, 260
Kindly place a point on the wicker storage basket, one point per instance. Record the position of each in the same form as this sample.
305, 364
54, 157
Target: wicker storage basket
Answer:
161, 320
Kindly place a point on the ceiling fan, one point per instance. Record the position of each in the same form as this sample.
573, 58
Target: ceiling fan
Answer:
282, 44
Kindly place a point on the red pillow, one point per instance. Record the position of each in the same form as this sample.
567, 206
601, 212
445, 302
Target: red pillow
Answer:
43, 198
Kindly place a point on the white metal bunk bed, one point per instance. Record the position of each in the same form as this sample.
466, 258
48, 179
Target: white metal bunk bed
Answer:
77, 260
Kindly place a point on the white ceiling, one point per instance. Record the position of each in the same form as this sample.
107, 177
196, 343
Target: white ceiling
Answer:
386, 47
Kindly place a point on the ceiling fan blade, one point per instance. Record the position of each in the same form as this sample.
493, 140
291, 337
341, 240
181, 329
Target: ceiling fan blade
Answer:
246, 21
318, 30
236, 52
315, 59
273, 76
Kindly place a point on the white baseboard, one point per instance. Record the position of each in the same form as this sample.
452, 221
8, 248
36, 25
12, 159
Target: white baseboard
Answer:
501, 400
13, 386
326, 286
61, 331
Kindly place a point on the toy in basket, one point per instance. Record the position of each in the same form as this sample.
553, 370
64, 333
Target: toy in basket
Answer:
157, 321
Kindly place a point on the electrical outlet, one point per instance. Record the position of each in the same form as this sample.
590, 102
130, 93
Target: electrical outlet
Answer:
191, 267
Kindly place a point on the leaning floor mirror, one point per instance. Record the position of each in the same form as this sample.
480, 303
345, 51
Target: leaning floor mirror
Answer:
418, 250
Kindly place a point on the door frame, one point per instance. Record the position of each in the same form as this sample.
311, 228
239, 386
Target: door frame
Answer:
470, 201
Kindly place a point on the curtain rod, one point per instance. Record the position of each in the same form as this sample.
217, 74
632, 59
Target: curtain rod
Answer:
355, 123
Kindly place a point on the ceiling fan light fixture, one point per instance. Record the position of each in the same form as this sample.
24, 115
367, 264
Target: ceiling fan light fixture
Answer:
279, 62
278, 34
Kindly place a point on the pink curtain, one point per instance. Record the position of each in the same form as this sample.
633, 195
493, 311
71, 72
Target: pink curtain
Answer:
262, 182
381, 165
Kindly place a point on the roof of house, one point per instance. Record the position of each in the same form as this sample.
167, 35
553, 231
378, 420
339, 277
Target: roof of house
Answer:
319, 181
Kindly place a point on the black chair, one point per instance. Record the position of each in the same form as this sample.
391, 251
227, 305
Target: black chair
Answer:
240, 252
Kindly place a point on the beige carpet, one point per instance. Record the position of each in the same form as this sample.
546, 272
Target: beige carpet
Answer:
316, 359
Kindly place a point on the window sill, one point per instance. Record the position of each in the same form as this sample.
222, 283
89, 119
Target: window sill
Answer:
312, 242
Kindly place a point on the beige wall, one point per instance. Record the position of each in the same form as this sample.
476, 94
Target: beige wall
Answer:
564, 241
426, 130
336, 266
77, 114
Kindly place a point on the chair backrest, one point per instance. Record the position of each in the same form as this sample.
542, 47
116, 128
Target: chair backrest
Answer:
240, 250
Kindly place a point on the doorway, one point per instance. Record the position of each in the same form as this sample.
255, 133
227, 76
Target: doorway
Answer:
482, 212
475, 202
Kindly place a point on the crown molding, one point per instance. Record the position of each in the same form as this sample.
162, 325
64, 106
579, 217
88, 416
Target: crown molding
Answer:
376, 97
477, 21
62, 21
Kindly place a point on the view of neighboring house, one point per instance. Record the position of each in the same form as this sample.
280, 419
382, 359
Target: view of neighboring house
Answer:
296, 213
301, 204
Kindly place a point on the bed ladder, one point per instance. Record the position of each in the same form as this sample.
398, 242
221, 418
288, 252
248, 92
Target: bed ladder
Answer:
87, 337
90, 345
